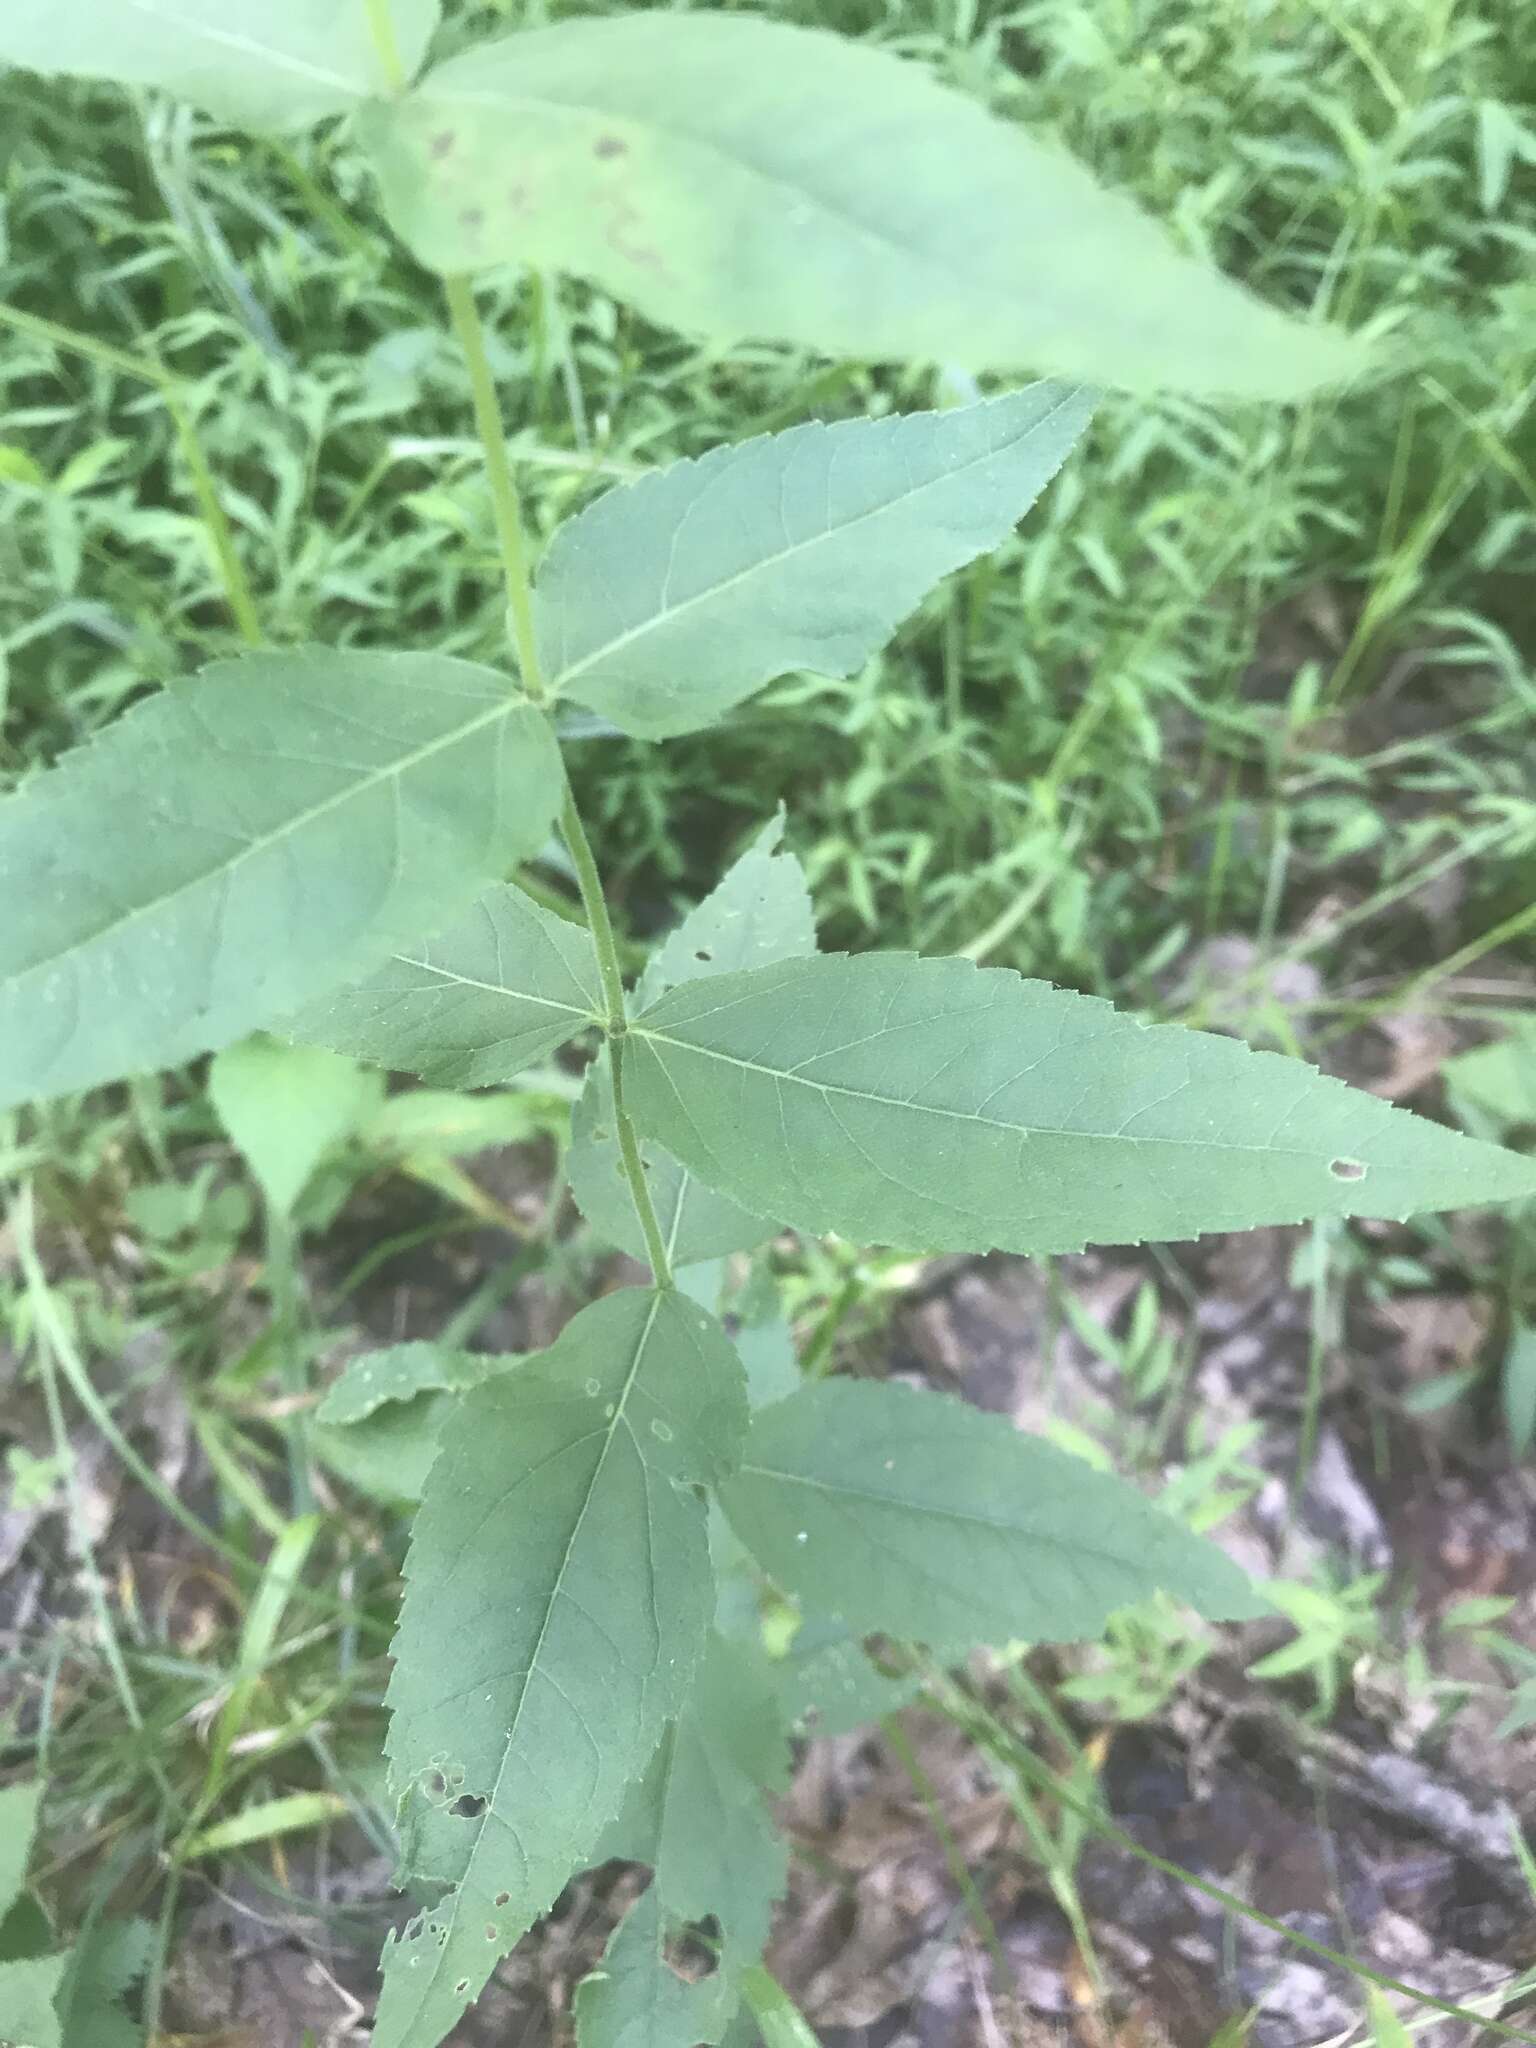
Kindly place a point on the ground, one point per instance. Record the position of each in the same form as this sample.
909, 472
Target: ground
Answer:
1239, 731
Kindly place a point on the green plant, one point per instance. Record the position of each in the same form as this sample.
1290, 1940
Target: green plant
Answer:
315, 845
52, 1997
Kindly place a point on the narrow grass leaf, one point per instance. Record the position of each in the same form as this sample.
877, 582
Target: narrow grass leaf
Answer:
236, 846
263, 64
936, 1106
739, 178
293, 1813
759, 912
1518, 1390
910, 1512
671, 599
472, 1006
558, 1594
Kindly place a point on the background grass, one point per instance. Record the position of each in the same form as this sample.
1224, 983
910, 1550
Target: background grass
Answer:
1240, 729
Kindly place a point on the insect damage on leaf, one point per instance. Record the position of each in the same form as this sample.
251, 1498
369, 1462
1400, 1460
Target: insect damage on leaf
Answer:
558, 1594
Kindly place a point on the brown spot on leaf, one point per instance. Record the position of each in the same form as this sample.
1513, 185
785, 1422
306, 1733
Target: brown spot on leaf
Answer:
472, 218
441, 144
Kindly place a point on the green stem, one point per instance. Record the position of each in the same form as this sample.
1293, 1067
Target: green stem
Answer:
617, 1025
634, 1171
509, 517
382, 28
221, 538
514, 560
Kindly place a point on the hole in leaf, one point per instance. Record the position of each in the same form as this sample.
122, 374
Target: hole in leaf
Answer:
610, 145
490, 1930
472, 218
693, 1952
703, 954
461, 1987
503, 1899
469, 1806
1346, 1169
441, 144
437, 1785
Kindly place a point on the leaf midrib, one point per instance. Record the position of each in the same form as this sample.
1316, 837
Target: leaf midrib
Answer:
280, 60
840, 1490
765, 564
781, 1075
618, 1419
588, 1015
54, 962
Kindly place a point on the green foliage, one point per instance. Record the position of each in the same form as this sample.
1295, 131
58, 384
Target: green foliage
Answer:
927, 1104
760, 912
699, 1820
669, 601
524, 1703
378, 1423
827, 1681
913, 1514
28, 1989
109, 1958
324, 845
887, 217
236, 845
256, 63
475, 1004
72, 1999
284, 1107
1497, 1082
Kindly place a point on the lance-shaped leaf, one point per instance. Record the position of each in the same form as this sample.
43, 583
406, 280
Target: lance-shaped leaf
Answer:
378, 1423
826, 1680
237, 844
19, 1805
29, 1989
739, 178
285, 1106
911, 1513
472, 1006
637, 2000
558, 1592
759, 912
942, 1107
264, 64
671, 599
699, 1818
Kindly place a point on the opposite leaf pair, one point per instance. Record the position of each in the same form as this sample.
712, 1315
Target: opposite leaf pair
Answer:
559, 1596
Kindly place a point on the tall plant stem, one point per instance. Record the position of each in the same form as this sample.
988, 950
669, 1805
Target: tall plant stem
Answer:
509, 516
514, 560
382, 28
221, 539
